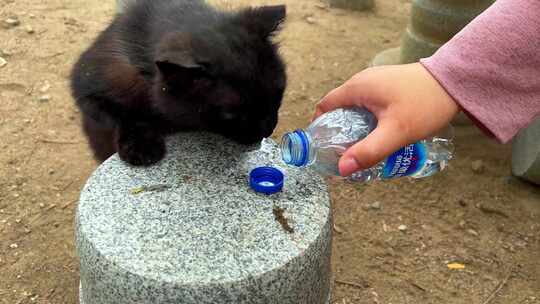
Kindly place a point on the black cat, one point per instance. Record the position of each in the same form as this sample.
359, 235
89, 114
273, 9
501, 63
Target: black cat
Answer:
172, 65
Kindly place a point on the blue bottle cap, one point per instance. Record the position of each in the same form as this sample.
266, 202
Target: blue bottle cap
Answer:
266, 180
295, 148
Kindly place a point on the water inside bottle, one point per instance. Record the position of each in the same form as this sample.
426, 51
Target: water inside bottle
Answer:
330, 135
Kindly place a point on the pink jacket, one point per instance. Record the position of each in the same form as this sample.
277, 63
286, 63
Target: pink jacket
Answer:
492, 67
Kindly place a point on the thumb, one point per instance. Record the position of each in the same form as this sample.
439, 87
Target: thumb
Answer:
386, 139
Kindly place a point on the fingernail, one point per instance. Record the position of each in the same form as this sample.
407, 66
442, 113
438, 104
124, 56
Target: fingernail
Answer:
348, 166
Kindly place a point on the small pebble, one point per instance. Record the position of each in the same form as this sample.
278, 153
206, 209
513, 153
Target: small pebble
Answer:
477, 166
311, 20
3, 62
520, 244
44, 98
402, 228
41, 205
32, 16
338, 229
472, 232
5, 53
13, 246
29, 29
45, 87
12, 22
375, 206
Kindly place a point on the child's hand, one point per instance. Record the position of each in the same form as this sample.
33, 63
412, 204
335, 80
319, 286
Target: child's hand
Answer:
409, 103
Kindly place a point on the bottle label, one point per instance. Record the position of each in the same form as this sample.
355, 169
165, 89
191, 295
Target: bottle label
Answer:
405, 162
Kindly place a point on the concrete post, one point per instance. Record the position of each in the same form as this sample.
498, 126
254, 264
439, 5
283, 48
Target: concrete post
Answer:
190, 230
432, 24
526, 154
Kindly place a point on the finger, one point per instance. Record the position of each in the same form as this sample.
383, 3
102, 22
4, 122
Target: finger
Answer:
386, 139
341, 97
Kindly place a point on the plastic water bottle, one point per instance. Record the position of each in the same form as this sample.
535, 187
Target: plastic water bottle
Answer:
321, 145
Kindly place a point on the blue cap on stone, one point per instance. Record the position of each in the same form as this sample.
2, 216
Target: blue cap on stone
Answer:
266, 180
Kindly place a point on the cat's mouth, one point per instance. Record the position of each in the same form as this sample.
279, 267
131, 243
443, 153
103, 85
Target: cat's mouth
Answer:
246, 135
243, 137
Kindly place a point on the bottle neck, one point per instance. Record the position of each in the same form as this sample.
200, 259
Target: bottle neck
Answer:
295, 147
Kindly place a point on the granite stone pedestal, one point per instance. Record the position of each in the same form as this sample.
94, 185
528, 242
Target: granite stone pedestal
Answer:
526, 153
189, 230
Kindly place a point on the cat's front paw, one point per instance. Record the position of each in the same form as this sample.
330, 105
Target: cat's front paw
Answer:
142, 152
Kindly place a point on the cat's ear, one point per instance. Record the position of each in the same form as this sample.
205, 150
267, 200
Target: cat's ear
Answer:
175, 58
264, 20
179, 66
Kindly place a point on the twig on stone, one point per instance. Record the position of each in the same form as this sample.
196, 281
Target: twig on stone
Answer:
154, 188
279, 215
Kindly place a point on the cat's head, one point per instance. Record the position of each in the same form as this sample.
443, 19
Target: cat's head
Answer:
226, 77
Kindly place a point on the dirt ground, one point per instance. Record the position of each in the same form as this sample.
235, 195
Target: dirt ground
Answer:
485, 220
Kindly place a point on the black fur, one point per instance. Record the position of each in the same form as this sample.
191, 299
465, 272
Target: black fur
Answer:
172, 65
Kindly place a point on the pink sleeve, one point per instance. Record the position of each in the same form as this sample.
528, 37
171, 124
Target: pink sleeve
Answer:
492, 67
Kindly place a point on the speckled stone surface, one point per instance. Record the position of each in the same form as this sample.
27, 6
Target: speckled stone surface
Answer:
190, 230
